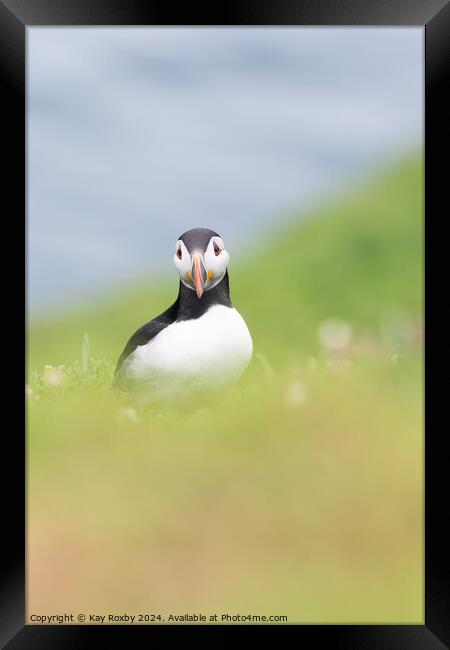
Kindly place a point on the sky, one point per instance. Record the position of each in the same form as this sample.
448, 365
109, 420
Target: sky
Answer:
135, 135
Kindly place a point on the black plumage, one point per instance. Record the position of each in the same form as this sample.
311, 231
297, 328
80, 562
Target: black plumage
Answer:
187, 306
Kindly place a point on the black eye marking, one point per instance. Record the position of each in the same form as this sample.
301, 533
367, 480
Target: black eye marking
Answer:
216, 248
179, 253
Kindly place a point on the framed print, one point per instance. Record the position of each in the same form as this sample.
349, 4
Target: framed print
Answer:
226, 405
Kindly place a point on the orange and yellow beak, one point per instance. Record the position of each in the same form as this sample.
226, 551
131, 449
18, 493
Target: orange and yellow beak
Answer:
199, 276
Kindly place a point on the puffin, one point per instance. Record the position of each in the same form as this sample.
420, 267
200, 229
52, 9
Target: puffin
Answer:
200, 344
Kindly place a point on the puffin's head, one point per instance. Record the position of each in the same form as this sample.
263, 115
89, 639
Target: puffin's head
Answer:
200, 259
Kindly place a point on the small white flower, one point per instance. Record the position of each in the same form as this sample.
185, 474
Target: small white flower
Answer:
334, 334
129, 414
295, 394
53, 376
28, 391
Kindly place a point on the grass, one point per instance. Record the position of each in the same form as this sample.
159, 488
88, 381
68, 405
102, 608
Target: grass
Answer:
299, 492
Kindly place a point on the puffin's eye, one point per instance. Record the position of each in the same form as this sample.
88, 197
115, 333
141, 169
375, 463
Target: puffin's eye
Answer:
216, 249
179, 253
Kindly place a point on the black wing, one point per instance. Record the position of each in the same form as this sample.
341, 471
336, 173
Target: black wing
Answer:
146, 333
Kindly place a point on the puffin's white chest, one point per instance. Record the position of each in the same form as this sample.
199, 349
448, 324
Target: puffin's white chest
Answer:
199, 354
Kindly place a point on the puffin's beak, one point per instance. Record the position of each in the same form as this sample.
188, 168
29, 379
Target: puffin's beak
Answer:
198, 273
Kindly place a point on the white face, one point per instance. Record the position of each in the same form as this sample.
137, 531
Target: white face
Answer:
211, 263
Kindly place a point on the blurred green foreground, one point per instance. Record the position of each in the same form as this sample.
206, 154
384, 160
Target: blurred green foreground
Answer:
299, 493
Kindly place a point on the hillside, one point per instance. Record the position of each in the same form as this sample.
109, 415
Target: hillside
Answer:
357, 260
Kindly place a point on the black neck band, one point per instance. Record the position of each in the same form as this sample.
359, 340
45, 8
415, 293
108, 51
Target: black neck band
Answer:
189, 306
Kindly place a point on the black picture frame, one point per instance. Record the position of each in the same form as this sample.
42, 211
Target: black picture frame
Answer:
434, 16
